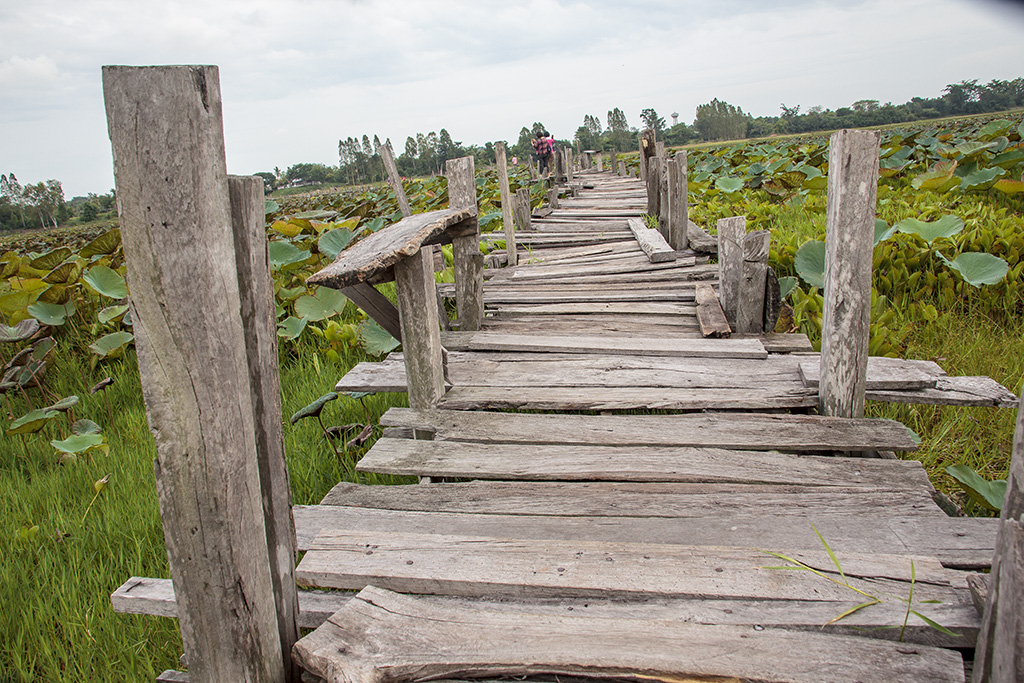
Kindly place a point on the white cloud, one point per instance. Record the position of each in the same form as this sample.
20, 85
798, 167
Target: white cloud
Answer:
19, 72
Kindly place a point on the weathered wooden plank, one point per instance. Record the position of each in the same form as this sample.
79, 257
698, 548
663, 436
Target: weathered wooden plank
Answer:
618, 265
155, 597
723, 430
952, 391
377, 306
662, 308
709, 313
753, 279
424, 368
596, 325
849, 241
693, 348
730, 263
507, 211
468, 262
786, 342
166, 133
384, 248
491, 566
172, 676
385, 637
884, 374
652, 242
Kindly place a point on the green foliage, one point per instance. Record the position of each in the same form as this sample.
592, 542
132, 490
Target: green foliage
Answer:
988, 494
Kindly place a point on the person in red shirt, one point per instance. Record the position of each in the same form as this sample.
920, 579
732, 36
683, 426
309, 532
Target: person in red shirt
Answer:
543, 148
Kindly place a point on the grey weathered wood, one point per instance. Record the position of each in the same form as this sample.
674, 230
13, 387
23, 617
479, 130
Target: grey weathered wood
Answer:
386, 637
772, 301
753, 278
507, 211
752, 431
599, 159
166, 134
522, 209
709, 313
553, 198
952, 391
259, 323
652, 242
622, 168
849, 241
678, 208
653, 180
421, 339
381, 250
883, 374
647, 150
467, 259
1000, 654
725, 348
388, 157
731, 232
377, 306
172, 676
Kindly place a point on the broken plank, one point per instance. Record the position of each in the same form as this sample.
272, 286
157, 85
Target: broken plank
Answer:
652, 242
384, 637
709, 313
719, 348
951, 391
884, 374
751, 431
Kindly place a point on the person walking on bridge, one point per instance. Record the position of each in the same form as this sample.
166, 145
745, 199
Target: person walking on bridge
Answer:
543, 147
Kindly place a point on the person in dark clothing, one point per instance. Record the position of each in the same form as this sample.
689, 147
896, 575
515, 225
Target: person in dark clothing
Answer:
543, 148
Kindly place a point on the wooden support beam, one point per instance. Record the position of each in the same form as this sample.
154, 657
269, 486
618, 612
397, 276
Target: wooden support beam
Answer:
849, 240
522, 209
421, 338
377, 306
678, 208
730, 263
999, 657
653, 180
507, 212
753, 276
209, 381
468, 261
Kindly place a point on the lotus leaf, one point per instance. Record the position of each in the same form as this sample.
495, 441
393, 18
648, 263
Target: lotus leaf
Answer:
810, 263
994, 129
988, 494
947, 226
43, 348
24, 375
55, 294
786, 285
970, 149
270, 206
85, 427
29, 285
729, 185
1009, 159
375, 339
940, 178
51, 314
317, 215
286, 228
112, 313
882, 231
291, 327
65, 273
322, 304
50, 260
78, 444
1009, 186
102, 384
283, 254
23, 330
64, 405
287, 294
111, 345
32, 422
313, 409
107, 243
981, 180
106, 282
333, 241
978, 268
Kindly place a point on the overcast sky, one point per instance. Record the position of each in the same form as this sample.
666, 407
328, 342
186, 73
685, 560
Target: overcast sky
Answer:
297, 75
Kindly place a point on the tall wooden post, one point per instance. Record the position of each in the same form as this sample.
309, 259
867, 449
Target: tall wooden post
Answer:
753, 275
678, 207
421, 338
600, 162
468, 261
653, 180
999, 657
613, 163
849, 239
507, 211
622, 169
730, 263
388, 157
210, 381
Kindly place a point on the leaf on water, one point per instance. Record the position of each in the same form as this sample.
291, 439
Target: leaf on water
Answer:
810, 263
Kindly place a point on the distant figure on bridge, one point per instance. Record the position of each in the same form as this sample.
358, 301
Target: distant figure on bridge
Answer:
543, 147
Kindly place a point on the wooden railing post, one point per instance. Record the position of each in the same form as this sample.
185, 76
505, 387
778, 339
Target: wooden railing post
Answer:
522, 209
600, 162
754, 273
653, 180
613, 163
468, 261
999, 657
678, 206
209, 381
507, 212
388, 157
849, 239
622, 169
730, 263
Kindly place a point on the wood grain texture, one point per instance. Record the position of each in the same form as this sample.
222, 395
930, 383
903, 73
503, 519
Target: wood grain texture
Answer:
710, 314
884, 374
653, 180
467, 259
387, 155
522, 209
377, 252
730, 263
849, 241
386, 637
718, 348
753, 279
652, 242
166, 135
421, 344
678, 206
507, 211
723, 430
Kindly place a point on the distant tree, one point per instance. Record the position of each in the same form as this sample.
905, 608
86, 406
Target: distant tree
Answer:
48, 200
618, 133
90, 212
588, 136
865, 106
447, 148
679, 134
719, 120
652, 121
269, 180
12, 191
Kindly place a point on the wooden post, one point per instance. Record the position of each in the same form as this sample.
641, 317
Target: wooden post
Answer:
653, 177
388, 156
750, 303
468, 261
522, 207
210, 382
730, 263
622, 169
507, 211
558, 161
421, 338
647, 150
568, 165
678, 208
659, 146
613, 163
999, 657
849, 240
553, 198
600, 162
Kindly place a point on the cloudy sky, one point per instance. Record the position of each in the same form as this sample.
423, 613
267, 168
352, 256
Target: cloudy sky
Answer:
297, 75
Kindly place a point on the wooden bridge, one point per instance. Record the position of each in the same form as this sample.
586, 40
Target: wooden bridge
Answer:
682, 494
